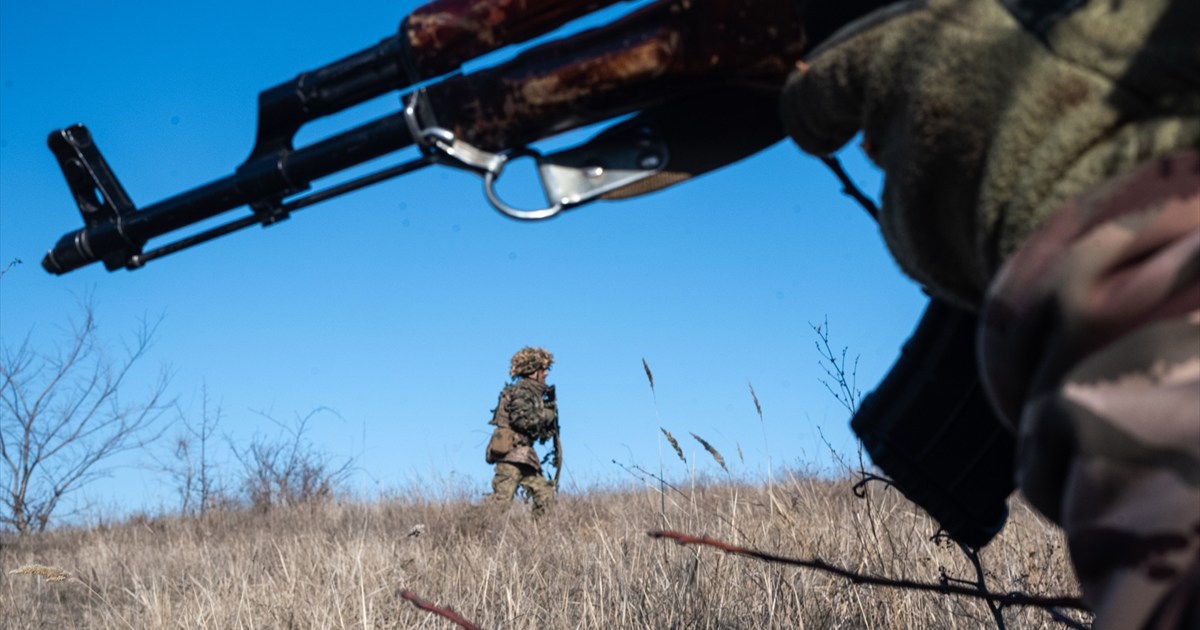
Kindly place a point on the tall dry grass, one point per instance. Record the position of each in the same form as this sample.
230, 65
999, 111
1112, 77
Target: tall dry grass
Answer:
589, 564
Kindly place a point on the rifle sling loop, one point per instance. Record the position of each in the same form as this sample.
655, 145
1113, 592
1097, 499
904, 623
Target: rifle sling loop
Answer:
623, 160
441, 145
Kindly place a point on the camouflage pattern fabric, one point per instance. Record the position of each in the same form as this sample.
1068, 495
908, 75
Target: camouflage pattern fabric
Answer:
523, 408
510, 476
1090, 345
528, 411
528, 360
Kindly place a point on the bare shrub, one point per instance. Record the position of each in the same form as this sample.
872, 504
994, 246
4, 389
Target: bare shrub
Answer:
287, 469
191, 468
65, 412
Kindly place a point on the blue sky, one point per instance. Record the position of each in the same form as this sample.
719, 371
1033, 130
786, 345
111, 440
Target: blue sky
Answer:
399, 306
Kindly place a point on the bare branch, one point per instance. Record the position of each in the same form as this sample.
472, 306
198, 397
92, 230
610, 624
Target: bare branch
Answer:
849, 187
12, 263
1008, 599
837, 368
440, 611
634, 470
191, 466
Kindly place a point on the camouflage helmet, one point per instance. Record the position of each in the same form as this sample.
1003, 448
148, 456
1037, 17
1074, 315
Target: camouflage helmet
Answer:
528, 360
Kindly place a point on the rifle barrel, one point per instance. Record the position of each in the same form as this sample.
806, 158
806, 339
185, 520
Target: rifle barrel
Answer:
261, 183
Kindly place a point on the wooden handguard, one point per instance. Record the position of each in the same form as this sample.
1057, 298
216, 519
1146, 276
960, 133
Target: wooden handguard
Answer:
663, 51
443, 34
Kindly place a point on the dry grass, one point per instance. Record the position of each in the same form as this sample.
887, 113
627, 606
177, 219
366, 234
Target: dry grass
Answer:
589, 564
674, 444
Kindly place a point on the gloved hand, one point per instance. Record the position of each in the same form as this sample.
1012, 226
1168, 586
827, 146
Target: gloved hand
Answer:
983, 124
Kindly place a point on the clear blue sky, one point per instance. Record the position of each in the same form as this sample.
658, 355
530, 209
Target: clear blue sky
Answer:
399, 306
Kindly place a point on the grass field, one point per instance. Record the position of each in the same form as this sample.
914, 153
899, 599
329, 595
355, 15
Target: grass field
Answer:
590, 564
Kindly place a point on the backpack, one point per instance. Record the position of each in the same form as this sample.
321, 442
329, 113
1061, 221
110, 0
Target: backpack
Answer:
502, 443
503, 438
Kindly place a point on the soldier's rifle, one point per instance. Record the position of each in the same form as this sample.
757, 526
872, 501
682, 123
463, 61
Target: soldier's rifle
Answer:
557, 458
688, 85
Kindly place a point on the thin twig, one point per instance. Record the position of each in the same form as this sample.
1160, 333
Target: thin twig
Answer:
634, 470
849, 187
662, 493
1066, 621
440, 611
1010, 599
980, 583
12, 263
860, 486
847, 381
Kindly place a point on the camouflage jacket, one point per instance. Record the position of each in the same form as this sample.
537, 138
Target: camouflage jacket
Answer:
1090, 347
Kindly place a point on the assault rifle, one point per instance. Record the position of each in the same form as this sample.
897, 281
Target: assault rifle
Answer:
556, 457
693, 83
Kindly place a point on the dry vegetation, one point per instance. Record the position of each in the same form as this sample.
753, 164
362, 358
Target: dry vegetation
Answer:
588, 565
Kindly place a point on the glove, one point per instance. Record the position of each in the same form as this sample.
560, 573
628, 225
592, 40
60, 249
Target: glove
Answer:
984, 119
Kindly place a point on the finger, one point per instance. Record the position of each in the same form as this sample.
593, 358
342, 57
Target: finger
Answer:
824, 99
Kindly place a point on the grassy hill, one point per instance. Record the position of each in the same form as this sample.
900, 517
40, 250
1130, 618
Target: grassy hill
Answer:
590, 564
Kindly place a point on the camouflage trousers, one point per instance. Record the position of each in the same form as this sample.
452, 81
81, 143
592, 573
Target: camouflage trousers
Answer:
509, 477
1090, 348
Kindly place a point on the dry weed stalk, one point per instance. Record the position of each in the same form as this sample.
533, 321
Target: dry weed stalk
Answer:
674, 444
55, 574
1009, 599
441, 611
662, 498
766, 449
638, 472
757, 407
50, 574
712, 451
